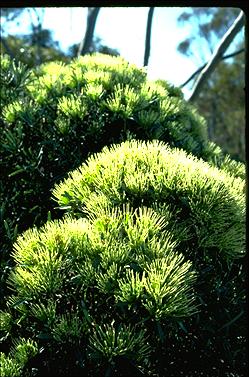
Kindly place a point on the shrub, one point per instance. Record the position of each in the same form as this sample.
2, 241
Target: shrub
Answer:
151, 248
52, 119
54, 116
206, 205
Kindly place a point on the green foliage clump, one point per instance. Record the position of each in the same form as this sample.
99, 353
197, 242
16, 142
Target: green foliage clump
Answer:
149, 247
21, 351
203, 199
14, 77
205, 207
101, 285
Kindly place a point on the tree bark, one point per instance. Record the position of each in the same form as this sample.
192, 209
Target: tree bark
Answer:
86, 42
148, 36
217, 55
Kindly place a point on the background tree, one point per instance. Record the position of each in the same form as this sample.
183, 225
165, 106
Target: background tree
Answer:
33, 48
38, 46
8, 15
208, 26
223, 103
22, 49
222, 99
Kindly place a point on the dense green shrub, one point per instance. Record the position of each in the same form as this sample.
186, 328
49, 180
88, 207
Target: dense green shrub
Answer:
151, 248
54, 116
100, 287
206, 205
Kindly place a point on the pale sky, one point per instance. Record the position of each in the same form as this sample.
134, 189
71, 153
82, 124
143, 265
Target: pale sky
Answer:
124, 28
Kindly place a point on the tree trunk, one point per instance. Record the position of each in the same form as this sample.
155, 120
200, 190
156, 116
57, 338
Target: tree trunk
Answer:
217, 55
148, 36
86, 42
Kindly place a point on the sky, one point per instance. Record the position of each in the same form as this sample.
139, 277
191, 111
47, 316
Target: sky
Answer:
124, 28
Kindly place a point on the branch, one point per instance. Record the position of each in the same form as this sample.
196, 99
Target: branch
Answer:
204, 65
148, 36
215, 58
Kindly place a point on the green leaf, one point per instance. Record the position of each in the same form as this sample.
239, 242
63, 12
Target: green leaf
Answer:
85, 312
18, 171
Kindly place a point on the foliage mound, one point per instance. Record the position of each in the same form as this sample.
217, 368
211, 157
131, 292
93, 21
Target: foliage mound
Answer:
206, 206
148, 255
54, 116
97, 287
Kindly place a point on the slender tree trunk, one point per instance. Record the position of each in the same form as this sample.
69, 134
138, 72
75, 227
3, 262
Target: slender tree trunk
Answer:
86, 42
148, 36
217, 55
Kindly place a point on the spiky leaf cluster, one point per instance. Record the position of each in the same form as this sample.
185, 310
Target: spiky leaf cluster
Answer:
21, 351
100, 284
206, 202
203, 208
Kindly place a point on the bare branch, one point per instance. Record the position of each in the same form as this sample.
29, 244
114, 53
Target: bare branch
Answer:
219, 51
204, 65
